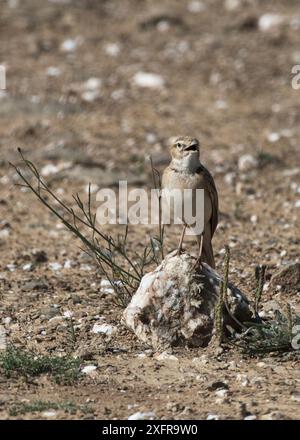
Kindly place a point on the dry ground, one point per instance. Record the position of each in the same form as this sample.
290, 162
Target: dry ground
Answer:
226, 82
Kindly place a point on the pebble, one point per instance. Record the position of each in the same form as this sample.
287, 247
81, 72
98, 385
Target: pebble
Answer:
53, 71
27, 267
164, 356
231, 5
142, 416
268, 22
273, 137
4, 233
103, 328
251, 417
148, 80
49, 414
213, 417
247, 162
55, 266
71, 44
89, 369
2, 338
196, 6
112, 49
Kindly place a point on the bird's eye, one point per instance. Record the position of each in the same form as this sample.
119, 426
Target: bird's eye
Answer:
179, 145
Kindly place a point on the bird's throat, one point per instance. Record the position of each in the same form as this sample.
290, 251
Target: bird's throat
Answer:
187, 164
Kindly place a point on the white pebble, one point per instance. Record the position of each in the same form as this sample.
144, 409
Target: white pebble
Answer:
27, 267
53, 71
297, 204
148, 80
4, 233
92, 84
164, 356
49, 414
273, 137
270, 21
103, 328
54, 266
252, 417
89, 369
231, 5
142, 416
221, 393
71, 44
196, 6
2, 338
247, 162
112, 49
212, 417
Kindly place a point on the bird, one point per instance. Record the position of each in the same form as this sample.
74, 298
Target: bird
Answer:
185, 171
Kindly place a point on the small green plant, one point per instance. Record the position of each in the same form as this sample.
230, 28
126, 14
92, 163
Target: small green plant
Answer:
260, 335
64, 370
41, 405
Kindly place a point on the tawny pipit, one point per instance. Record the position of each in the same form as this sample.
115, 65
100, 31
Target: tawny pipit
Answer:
186, 172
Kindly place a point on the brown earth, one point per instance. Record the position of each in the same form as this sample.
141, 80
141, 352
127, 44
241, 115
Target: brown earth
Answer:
227, 82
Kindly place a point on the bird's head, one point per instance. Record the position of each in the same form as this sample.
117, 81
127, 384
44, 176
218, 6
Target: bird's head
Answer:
184, 147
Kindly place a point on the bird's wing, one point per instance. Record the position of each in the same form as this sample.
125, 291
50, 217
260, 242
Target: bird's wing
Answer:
211, 187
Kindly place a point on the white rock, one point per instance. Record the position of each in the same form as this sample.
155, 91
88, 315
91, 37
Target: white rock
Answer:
165, 356
148, 80
213, 417
11, 267
7, 320
163, 26
142, 416
247, 162
170, 306
253, 218
221, 393
55, 266
27, 267
269, 22
112, 49
89, 369
4, 233
297, 204
196, 6
92, 84
243, 379
252, 417
53, 71
273, 137
49, 169
68, 264
103, 328
68, 314
3, 343
106, 287
231, 5
49, 414
90, 95
220, 104
71, 44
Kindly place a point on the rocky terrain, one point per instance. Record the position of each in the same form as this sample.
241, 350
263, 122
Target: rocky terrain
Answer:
93, 88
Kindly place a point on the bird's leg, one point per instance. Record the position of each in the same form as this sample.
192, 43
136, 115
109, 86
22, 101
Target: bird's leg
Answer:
181, 240
200, 247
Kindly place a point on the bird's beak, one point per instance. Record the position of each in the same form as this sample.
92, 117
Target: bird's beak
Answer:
193, 147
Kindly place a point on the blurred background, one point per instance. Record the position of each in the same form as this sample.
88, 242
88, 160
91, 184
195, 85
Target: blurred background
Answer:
94, 87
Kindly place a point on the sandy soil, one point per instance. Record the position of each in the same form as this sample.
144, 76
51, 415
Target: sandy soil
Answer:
226, 81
